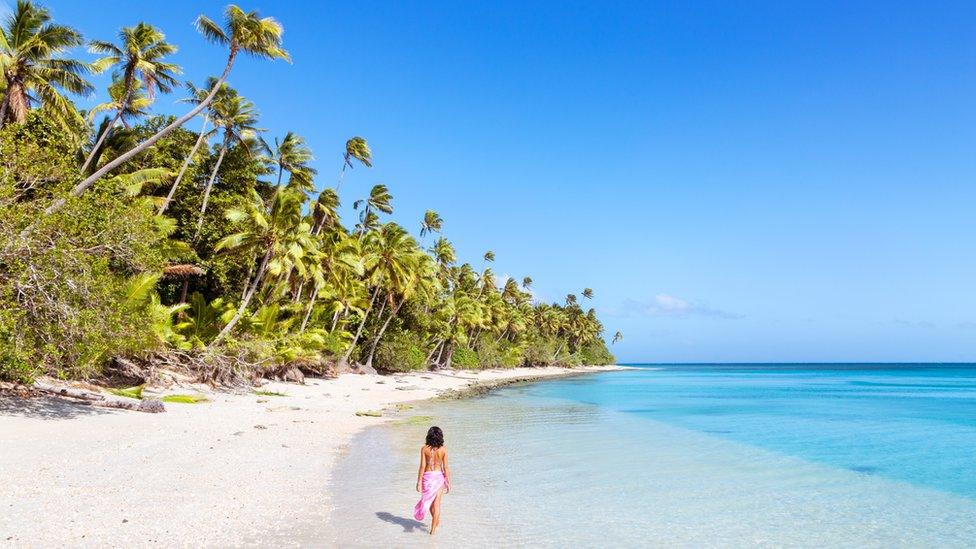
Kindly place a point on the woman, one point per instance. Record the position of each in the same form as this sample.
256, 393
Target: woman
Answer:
433, 478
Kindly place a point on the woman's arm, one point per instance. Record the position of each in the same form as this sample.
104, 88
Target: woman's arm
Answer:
420, 472
447, 473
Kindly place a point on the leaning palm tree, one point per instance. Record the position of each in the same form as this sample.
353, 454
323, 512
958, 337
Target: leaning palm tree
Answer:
356, 148
489, 256
197, 96
139, 58
278, 233
127, 108
527, 282
392, 252
242, 32
325, 211
588, 293
237, 117
617, 337
431, 224
379, 200
291, 155
33, 68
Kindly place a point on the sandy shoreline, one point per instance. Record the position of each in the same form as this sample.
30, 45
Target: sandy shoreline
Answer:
232, 471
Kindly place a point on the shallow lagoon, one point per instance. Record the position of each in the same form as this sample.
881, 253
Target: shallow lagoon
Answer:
710, 455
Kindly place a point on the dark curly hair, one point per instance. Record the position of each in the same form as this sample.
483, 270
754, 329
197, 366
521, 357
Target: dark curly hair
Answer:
435, 437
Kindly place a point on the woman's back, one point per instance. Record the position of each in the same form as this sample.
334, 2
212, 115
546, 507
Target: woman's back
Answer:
435, 458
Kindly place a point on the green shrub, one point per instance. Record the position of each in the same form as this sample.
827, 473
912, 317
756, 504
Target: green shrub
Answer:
400, 352
503, 354
596, 353
74, 280
540, 351
464, 359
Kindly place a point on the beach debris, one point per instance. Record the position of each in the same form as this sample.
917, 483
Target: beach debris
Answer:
402, 407
185, 399
370, 413
259, 426
148, 405
270, 393
408, 388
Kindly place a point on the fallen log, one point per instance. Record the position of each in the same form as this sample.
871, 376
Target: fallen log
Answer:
148, 405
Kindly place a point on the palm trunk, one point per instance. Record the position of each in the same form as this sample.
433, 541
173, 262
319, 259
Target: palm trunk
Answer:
505, 331
186, 164
185, 289
430, 355
308, 313
335, 320
441, 353
80, 188
558, 350
206, 192
247, 298
376, 342
359, 330
101, 139
345, 162
250, 269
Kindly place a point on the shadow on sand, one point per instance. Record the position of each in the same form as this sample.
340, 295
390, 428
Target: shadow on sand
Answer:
46, 408
408, 524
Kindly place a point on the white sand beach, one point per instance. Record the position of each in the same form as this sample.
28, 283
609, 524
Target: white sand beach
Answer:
238, 470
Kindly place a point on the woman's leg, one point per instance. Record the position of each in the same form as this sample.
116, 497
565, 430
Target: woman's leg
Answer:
435, 512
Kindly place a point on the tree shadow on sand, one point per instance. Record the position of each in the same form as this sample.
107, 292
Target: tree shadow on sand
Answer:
46, 408
409, 525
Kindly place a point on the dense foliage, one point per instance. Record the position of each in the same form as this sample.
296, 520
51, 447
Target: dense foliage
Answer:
137, 237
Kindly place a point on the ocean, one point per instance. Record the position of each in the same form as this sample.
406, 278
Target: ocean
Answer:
710, 455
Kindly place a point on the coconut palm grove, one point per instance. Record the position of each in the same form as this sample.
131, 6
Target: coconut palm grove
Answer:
131, 240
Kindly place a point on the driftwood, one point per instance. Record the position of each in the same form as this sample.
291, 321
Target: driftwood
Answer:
149, 405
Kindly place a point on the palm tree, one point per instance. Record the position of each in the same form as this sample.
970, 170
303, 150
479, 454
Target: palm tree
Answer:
356, 148
389, 265
242, 32
237, 117
399, 267
127, 108
338, 261
139, 58
33, 69
278, 233
617, 337
325, 211
379, 200
588, 293
489, 256
431, 223
527, 282
290, 154
196, 95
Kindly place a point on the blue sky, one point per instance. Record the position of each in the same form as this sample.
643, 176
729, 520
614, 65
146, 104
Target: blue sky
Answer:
737, 181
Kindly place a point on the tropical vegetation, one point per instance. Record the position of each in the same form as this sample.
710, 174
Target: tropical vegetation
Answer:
137, 241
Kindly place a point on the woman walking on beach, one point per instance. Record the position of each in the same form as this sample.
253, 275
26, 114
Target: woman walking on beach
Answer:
433, 478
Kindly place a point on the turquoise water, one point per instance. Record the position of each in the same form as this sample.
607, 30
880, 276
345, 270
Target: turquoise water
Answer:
911, 422
687, 455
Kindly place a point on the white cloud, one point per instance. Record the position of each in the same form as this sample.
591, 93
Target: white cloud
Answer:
664, 305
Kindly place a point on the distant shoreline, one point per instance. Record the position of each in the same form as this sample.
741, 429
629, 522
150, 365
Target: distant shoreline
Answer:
220, 473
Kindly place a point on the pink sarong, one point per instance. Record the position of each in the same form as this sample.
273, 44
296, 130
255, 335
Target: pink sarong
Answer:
431, 485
